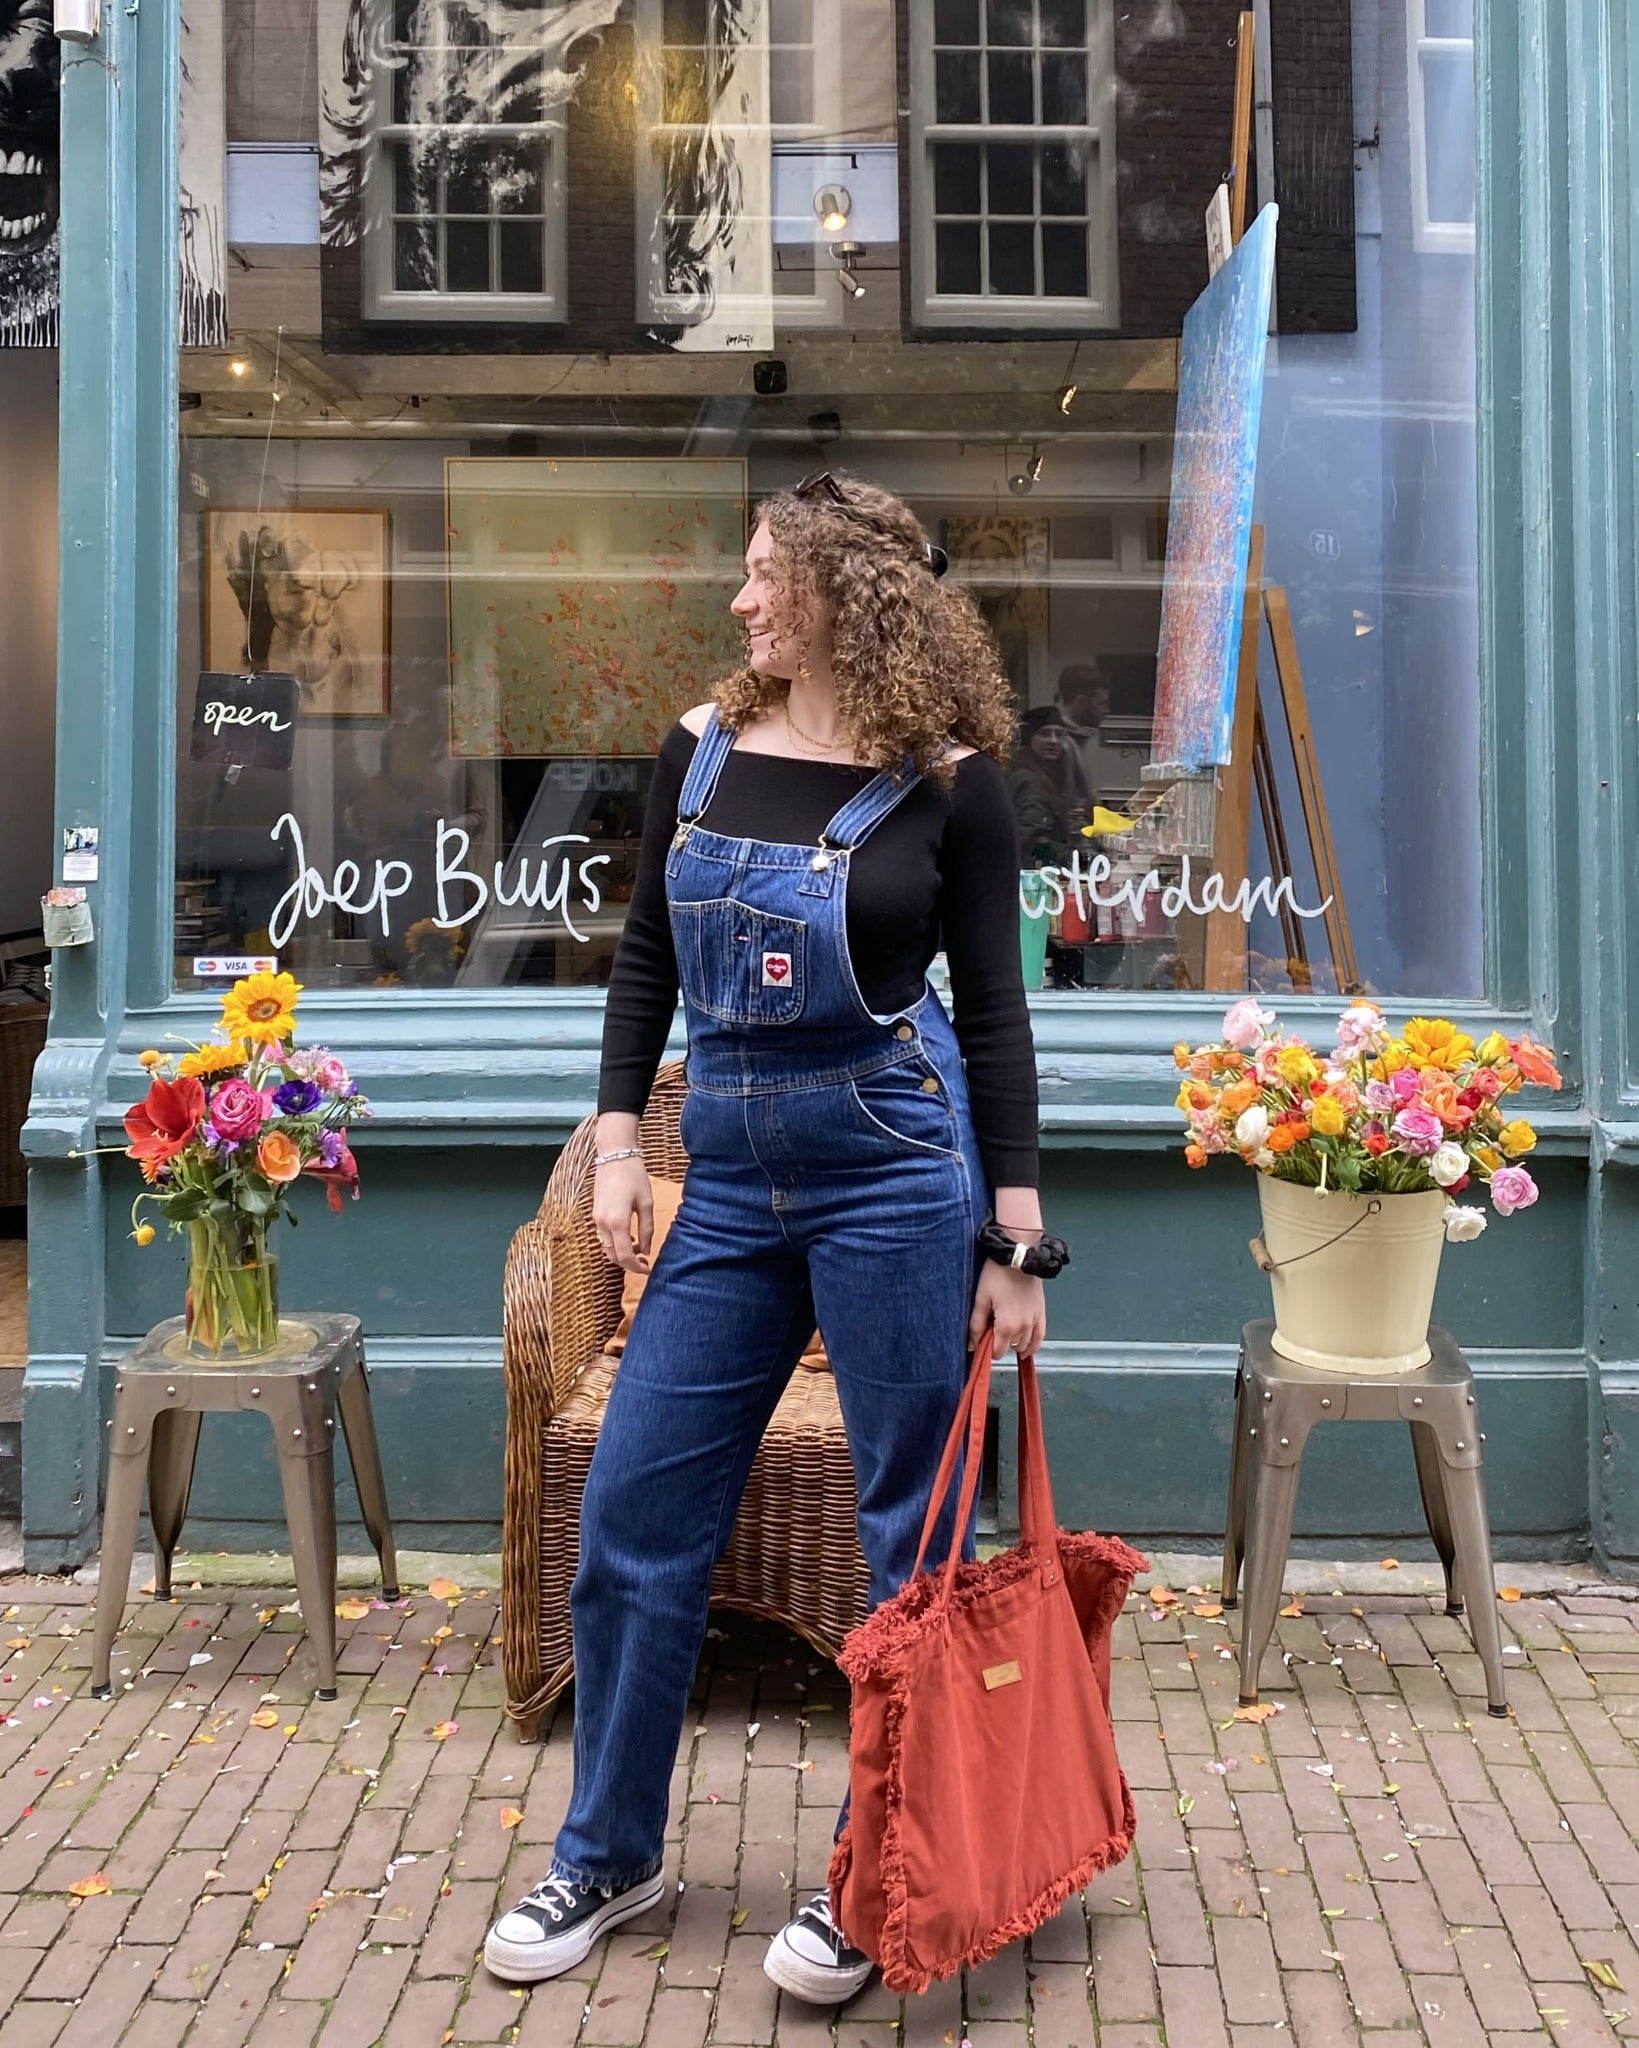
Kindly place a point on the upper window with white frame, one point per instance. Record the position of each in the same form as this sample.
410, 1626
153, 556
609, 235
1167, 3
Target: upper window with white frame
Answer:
1013, 163
464, 175
1440, 65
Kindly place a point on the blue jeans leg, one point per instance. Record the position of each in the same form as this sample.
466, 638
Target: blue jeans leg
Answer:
723, 1320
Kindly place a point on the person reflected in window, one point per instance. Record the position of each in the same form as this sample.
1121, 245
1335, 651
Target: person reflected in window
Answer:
1047, 787
1084, 698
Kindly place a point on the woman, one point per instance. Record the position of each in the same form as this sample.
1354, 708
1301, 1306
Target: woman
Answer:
1047, 786
812, 838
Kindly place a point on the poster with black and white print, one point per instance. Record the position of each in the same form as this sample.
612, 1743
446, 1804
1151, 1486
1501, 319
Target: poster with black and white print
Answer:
31, 184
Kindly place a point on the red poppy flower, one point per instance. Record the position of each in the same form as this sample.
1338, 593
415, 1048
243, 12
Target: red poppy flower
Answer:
165, 1120
344, 1174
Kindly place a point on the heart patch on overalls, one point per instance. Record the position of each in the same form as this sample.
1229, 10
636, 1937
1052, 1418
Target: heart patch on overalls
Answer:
776, 969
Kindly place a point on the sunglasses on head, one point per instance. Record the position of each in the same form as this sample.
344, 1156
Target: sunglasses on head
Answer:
823, 483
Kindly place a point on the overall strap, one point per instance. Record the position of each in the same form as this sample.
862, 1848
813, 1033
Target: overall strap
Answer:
861, 814
711, 750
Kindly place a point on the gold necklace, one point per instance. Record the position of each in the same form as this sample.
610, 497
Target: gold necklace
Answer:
807, 738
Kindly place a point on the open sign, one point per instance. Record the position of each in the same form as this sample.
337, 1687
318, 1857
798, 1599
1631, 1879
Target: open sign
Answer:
244, 721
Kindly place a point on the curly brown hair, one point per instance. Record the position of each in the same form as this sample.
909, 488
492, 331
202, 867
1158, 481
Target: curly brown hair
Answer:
916, 669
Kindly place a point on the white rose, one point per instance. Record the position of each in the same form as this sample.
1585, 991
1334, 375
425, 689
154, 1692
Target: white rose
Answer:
1448, 1164
1463, 1223
1252, 1128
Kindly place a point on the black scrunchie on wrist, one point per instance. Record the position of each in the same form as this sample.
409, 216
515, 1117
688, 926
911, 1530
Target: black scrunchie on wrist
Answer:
1043, 1260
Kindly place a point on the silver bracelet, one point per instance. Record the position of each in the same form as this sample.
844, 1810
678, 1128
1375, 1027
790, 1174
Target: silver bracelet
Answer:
625, 1152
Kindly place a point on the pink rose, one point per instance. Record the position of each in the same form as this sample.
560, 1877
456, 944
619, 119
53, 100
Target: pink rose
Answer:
1360, 1029
1245, 1023
1417, 1131
1486, 1081
1405, 1084
238, 1110
1512, 1188
331, 1075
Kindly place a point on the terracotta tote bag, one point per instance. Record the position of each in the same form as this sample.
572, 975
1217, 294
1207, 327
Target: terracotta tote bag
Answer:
985, 1782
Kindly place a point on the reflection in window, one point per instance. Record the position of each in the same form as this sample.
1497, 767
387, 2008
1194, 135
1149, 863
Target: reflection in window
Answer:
463, 173
1440, 63
1013, 154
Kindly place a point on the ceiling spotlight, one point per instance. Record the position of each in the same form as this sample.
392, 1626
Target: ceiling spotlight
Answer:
240, 367
848, 255
833, 204
1026, 479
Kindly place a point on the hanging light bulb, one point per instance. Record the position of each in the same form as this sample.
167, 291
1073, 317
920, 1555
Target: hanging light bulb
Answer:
833, 204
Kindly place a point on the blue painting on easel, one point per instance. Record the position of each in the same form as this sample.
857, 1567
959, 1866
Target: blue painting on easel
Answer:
1209, 522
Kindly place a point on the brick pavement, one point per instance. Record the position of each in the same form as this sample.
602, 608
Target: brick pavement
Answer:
215, 1858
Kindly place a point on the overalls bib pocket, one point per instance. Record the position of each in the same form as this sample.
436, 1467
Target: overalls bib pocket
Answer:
741, 965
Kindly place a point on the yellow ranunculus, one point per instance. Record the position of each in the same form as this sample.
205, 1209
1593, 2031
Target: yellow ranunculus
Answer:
262, 1007
1182, 1100
1297, 1065
144, 1233
1491, 1048
1328, 1117
1488, 1156
211, 1059
1390, 1060
1433, 1042
1180, 1054
149, 1059
1517, 1138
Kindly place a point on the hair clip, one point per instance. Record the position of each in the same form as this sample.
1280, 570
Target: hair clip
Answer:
936, 558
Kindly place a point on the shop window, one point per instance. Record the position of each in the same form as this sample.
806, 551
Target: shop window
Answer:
1440, 69
475, 551
1012, 164
462, 176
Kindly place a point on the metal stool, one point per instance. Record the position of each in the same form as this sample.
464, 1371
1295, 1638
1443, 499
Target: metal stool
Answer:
160, 1395
1277, 1402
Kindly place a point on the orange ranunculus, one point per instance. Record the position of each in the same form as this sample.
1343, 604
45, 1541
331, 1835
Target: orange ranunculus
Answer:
1201, 1064
1230, 1060
279, 1156
1237, 1096
164, 1121
1180, 1054
1200, 1095
1194, 1155
1440, 1095
1535, 1062
1376, 1143
1284, 1136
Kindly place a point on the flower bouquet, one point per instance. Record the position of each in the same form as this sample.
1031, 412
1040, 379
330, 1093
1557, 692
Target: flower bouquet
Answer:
223, 1134
1420, 1116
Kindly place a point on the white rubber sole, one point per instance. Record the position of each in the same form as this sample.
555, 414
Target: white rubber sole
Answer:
813, 1983
533, 1962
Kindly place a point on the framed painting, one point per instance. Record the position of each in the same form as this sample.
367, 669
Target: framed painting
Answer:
303, 591
1209, 519
589, 598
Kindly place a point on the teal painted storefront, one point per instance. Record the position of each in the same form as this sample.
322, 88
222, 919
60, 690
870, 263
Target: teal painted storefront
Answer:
475, 1091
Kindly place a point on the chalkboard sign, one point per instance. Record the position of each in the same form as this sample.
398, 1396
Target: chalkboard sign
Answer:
242, 721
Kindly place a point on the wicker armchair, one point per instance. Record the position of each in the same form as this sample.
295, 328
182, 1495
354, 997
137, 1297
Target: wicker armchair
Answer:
794, 1555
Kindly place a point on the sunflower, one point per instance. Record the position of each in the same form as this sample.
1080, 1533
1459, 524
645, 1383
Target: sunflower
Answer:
262, 1007
213, 1059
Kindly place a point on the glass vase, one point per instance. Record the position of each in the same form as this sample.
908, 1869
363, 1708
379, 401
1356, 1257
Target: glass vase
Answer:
232, 1308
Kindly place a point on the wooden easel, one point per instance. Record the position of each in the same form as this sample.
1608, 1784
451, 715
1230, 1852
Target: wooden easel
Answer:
1252, 769
1251, 763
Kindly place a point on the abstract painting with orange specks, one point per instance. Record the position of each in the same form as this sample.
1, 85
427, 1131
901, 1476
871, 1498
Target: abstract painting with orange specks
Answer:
589, 598
1209, 520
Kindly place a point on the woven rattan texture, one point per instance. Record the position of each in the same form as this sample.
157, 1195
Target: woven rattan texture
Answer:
794, 1556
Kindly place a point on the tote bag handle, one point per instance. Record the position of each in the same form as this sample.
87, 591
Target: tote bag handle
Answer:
1036, 1517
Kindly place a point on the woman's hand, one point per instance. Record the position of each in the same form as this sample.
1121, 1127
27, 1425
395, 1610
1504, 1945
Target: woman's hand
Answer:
1014, 1305
622, 1200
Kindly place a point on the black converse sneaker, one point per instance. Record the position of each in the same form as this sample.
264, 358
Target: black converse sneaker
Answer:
555, 1926
813, 1959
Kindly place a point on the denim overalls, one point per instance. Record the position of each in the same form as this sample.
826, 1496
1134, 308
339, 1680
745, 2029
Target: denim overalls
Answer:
833, 1177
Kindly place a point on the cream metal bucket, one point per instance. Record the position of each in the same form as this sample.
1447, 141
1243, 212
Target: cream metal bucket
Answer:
1353, 1276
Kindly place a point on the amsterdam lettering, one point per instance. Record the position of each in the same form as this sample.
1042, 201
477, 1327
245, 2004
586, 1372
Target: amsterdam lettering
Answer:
462, 894
1083, 882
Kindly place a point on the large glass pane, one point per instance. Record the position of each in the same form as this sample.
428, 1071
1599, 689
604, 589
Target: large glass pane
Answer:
491, 547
